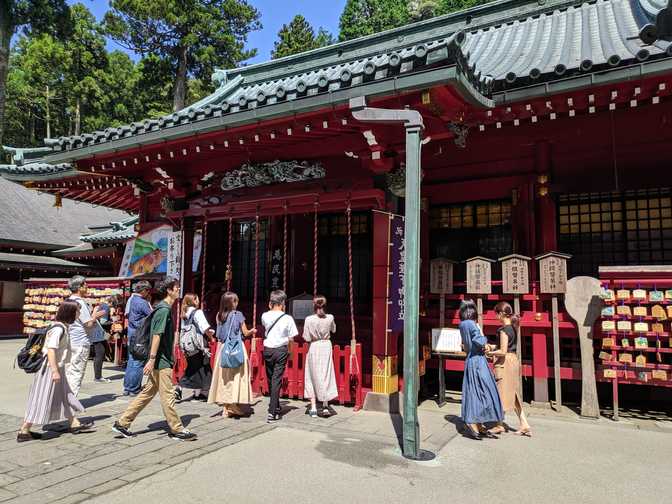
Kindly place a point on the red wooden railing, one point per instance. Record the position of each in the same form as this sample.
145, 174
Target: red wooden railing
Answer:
348, 376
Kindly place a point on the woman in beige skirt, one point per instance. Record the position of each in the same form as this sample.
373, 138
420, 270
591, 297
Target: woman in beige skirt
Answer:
231, 387
51, 398
507, 368
320, 378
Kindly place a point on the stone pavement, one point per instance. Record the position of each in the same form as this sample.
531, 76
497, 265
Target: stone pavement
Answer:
351, 456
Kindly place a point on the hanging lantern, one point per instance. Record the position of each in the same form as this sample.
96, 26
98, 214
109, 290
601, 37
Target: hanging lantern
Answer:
58, 201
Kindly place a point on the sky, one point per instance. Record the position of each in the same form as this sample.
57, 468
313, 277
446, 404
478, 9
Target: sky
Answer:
274, 13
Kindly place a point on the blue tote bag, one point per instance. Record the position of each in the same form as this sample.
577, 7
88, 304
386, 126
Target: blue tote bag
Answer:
233, 355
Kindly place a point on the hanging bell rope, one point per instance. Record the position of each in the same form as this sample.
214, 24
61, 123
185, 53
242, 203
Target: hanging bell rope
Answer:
229, 260
315, 248
354, 363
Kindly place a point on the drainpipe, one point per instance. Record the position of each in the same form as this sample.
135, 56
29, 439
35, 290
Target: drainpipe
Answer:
413, 124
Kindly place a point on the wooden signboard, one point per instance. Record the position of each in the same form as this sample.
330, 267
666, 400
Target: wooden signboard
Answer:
553, 272
479, 275
301, 306
441, 276
515, 274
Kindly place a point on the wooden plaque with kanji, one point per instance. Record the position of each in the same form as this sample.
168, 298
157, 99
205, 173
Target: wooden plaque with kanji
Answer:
515, 274
553, 273
441, 276
479, 275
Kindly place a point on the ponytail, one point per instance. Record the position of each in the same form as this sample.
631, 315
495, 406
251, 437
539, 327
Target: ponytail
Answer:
504, 308
319, 304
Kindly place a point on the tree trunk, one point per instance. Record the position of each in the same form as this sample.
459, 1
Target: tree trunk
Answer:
6, 31
48, 114
180, 85
78, 117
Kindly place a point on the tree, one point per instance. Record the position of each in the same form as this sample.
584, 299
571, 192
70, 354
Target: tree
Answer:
365, 17
31, 16
194, 36
86, 59
57, 88
298, 36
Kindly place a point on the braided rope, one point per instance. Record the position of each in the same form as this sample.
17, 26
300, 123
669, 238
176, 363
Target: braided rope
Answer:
315, 251
204, 265
353, 342
229, 265
284, 253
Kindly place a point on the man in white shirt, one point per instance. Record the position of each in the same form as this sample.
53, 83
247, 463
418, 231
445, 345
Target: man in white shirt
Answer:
82, 331
280, 329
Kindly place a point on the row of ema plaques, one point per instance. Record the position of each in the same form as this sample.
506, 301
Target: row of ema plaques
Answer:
515, 274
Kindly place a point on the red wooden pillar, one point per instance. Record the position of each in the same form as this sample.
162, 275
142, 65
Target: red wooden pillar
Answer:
544, 241
540, 366
385, 379
544, 205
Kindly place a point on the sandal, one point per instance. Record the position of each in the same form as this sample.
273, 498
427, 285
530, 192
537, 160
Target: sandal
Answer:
524, 432
22, 437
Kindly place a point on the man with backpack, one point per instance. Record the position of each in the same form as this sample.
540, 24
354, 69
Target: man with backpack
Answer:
137, 310
160, 328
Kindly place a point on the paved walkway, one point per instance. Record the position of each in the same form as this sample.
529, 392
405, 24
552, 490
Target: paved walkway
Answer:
351, 457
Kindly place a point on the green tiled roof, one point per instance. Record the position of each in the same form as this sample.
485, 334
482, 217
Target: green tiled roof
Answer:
497, 47
655, 19
116, 232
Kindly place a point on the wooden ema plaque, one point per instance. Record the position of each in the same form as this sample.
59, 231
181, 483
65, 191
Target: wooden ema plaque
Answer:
553, 272
515, 274
441, 276
479, 275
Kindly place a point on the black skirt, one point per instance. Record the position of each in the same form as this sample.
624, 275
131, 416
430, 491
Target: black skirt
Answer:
198, 374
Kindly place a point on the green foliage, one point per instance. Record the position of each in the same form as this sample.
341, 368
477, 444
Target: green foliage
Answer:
89, 88
30, 17
193, 36
448, 6
299, 36
365, 17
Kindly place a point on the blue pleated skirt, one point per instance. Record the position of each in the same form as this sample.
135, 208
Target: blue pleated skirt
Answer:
480, 398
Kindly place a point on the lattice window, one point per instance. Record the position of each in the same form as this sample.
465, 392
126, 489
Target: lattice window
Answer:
617, 228
333, 256
462, 231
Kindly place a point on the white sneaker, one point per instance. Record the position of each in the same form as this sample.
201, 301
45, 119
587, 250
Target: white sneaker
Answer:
102, 380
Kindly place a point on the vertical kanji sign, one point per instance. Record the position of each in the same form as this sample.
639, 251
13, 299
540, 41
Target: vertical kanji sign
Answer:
397, 244
515, 274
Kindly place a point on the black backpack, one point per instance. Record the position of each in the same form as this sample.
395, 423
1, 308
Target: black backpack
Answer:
143, 339
30, 357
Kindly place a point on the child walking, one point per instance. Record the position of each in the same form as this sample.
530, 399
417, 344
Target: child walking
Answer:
279, 330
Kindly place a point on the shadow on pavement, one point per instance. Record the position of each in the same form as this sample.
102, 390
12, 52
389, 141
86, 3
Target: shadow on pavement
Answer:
163, 425
92, 401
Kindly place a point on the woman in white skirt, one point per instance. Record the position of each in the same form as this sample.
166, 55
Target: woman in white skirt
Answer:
51, 398
320, 380
231, 388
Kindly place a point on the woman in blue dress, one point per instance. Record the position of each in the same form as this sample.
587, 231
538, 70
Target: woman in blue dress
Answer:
480, 398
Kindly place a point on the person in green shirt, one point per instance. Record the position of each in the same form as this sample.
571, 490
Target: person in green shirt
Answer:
159, 368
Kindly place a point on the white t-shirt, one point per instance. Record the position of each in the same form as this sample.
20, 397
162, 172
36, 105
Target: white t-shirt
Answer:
199, 319
57, 339
282, 332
